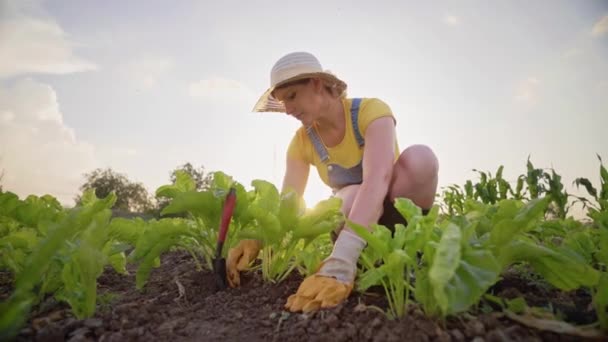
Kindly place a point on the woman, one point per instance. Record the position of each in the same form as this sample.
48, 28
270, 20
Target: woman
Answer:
353, 145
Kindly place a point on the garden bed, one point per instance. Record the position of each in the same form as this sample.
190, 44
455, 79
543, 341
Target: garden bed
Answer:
181, 304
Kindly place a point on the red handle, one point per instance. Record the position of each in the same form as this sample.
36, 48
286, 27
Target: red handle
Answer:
227, 214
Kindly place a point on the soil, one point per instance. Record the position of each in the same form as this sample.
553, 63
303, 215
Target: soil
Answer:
180, 303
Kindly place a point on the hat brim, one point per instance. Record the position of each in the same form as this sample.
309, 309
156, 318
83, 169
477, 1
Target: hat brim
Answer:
267, 102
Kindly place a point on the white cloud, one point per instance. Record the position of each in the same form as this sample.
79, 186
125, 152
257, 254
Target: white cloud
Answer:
451, 20
130, 151
148, 72
601, 27
572, 53
527, 91
39, 154
32, 42
219, 89
118, 152
6, 116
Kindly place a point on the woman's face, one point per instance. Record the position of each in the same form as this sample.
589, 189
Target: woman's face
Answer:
303, 101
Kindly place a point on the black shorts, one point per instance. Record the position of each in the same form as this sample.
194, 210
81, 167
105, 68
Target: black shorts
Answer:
390, 217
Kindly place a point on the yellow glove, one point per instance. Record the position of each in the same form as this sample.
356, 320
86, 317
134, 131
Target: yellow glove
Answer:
318, 292
239, 259
333, 282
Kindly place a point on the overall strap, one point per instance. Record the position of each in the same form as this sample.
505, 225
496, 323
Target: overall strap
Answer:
354, 117
316, 140
317, 143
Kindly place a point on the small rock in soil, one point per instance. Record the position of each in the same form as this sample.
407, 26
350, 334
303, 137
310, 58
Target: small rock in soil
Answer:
93, 322
112, 337
50, 333
366, 333
317, 329
490, 321
474, 328
516, 332
420, 336
497, 335
457, 335
99, 331
39, 323
332, 321
132, 334
442, 336
70, 324
376, 322
176, 311
114, 325
351, 330
80, 331
428, 327
80, 338
168, 326
378, 337
56, 315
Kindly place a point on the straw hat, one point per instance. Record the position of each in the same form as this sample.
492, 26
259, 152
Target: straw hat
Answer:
292, 67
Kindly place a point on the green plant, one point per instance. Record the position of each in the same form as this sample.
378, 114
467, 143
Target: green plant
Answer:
66, 261
600, 197
385, 262
198, 232
285, 228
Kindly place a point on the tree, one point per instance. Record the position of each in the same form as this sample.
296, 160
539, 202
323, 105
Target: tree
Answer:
197, 174
130, 196
202, 181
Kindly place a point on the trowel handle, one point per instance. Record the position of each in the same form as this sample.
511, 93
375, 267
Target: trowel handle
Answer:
227, 214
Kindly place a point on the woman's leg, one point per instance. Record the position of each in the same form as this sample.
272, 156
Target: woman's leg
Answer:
415, 176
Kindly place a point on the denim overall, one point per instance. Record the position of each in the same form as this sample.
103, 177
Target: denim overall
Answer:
339, 176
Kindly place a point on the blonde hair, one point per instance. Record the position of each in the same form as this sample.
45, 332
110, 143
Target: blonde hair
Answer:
333, 90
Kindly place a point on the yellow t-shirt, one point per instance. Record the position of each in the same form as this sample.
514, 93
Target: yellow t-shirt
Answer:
347, 153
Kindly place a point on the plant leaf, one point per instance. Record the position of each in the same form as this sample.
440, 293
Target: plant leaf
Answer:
445, 263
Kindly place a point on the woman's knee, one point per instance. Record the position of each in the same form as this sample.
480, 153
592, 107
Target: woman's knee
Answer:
419, 162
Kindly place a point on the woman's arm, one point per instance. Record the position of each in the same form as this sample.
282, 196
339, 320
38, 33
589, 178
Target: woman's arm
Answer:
378, 160
296, 176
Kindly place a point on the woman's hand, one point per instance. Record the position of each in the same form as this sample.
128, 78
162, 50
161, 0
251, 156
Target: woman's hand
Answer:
239, 258
334, 281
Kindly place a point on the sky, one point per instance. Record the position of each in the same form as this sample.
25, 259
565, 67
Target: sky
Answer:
143, 87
